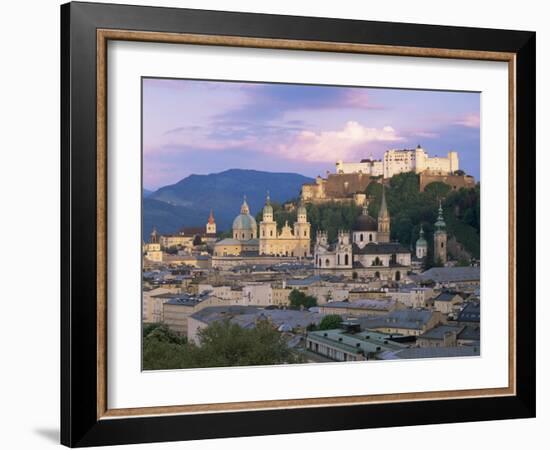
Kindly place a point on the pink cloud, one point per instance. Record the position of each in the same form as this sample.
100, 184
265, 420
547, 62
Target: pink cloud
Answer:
470, 121
328, 146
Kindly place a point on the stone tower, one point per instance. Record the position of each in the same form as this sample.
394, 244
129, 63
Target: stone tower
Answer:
211, 224
440, 238
383, 220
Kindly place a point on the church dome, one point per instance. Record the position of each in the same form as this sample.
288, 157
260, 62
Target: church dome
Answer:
421, 242
244, 222
365, 222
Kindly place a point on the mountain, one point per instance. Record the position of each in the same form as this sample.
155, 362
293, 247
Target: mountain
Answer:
189, 201
147, 193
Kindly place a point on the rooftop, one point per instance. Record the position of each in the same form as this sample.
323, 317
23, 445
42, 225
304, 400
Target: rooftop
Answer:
411, 319
379, 249
246, 316
445, 296
363, 342
373, 304
438, 332
470, 313
431, 352
451, 274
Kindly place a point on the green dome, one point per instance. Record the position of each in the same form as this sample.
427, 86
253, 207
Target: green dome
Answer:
244, 222
421, 242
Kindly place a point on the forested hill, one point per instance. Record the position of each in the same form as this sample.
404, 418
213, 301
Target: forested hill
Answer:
409, 208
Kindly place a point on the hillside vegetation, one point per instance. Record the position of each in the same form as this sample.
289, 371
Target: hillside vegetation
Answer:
409, 208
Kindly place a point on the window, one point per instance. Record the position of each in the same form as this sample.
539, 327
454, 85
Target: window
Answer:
442, 245
370, 237
361, 237
327, 262
271, 232
338, 259
346, 259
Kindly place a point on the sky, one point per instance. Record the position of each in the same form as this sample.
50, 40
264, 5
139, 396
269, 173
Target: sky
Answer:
202, 127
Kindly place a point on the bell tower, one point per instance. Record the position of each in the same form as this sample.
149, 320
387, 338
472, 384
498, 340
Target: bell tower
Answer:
268, 229
440, 238
211, 224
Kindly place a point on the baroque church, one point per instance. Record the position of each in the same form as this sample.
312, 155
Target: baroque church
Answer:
369, 252
292, 242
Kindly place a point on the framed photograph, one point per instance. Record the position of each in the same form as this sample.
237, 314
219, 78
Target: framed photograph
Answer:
277, 224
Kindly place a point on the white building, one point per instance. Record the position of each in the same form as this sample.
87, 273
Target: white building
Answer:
417, 160
401, 161
368, 166
257, 295
413, 296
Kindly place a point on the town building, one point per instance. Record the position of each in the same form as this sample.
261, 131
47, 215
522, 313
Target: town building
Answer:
412, 296
431, 352
451, 277
177, 309
366, 307
446, 302
406, 322
346, 345
440, 336
152, 301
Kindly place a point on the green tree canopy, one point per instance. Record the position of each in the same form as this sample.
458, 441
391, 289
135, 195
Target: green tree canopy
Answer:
330, 322
298, 299
222, 344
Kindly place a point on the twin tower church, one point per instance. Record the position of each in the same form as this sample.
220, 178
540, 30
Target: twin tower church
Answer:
289, 241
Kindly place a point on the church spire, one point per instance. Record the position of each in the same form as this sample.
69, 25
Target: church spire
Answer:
211, 217
383, 213
383, 219
440, 222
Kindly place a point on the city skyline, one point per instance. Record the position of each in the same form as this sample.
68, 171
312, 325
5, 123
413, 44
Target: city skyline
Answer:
201, 127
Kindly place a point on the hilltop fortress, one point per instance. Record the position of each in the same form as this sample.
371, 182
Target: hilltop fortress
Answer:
352, 178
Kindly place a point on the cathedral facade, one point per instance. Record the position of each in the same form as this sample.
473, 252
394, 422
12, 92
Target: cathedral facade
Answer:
369, 251
246, 241
289, 241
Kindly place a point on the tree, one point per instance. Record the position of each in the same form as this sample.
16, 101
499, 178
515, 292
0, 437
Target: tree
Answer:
330, 322
299, 299
222, 344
